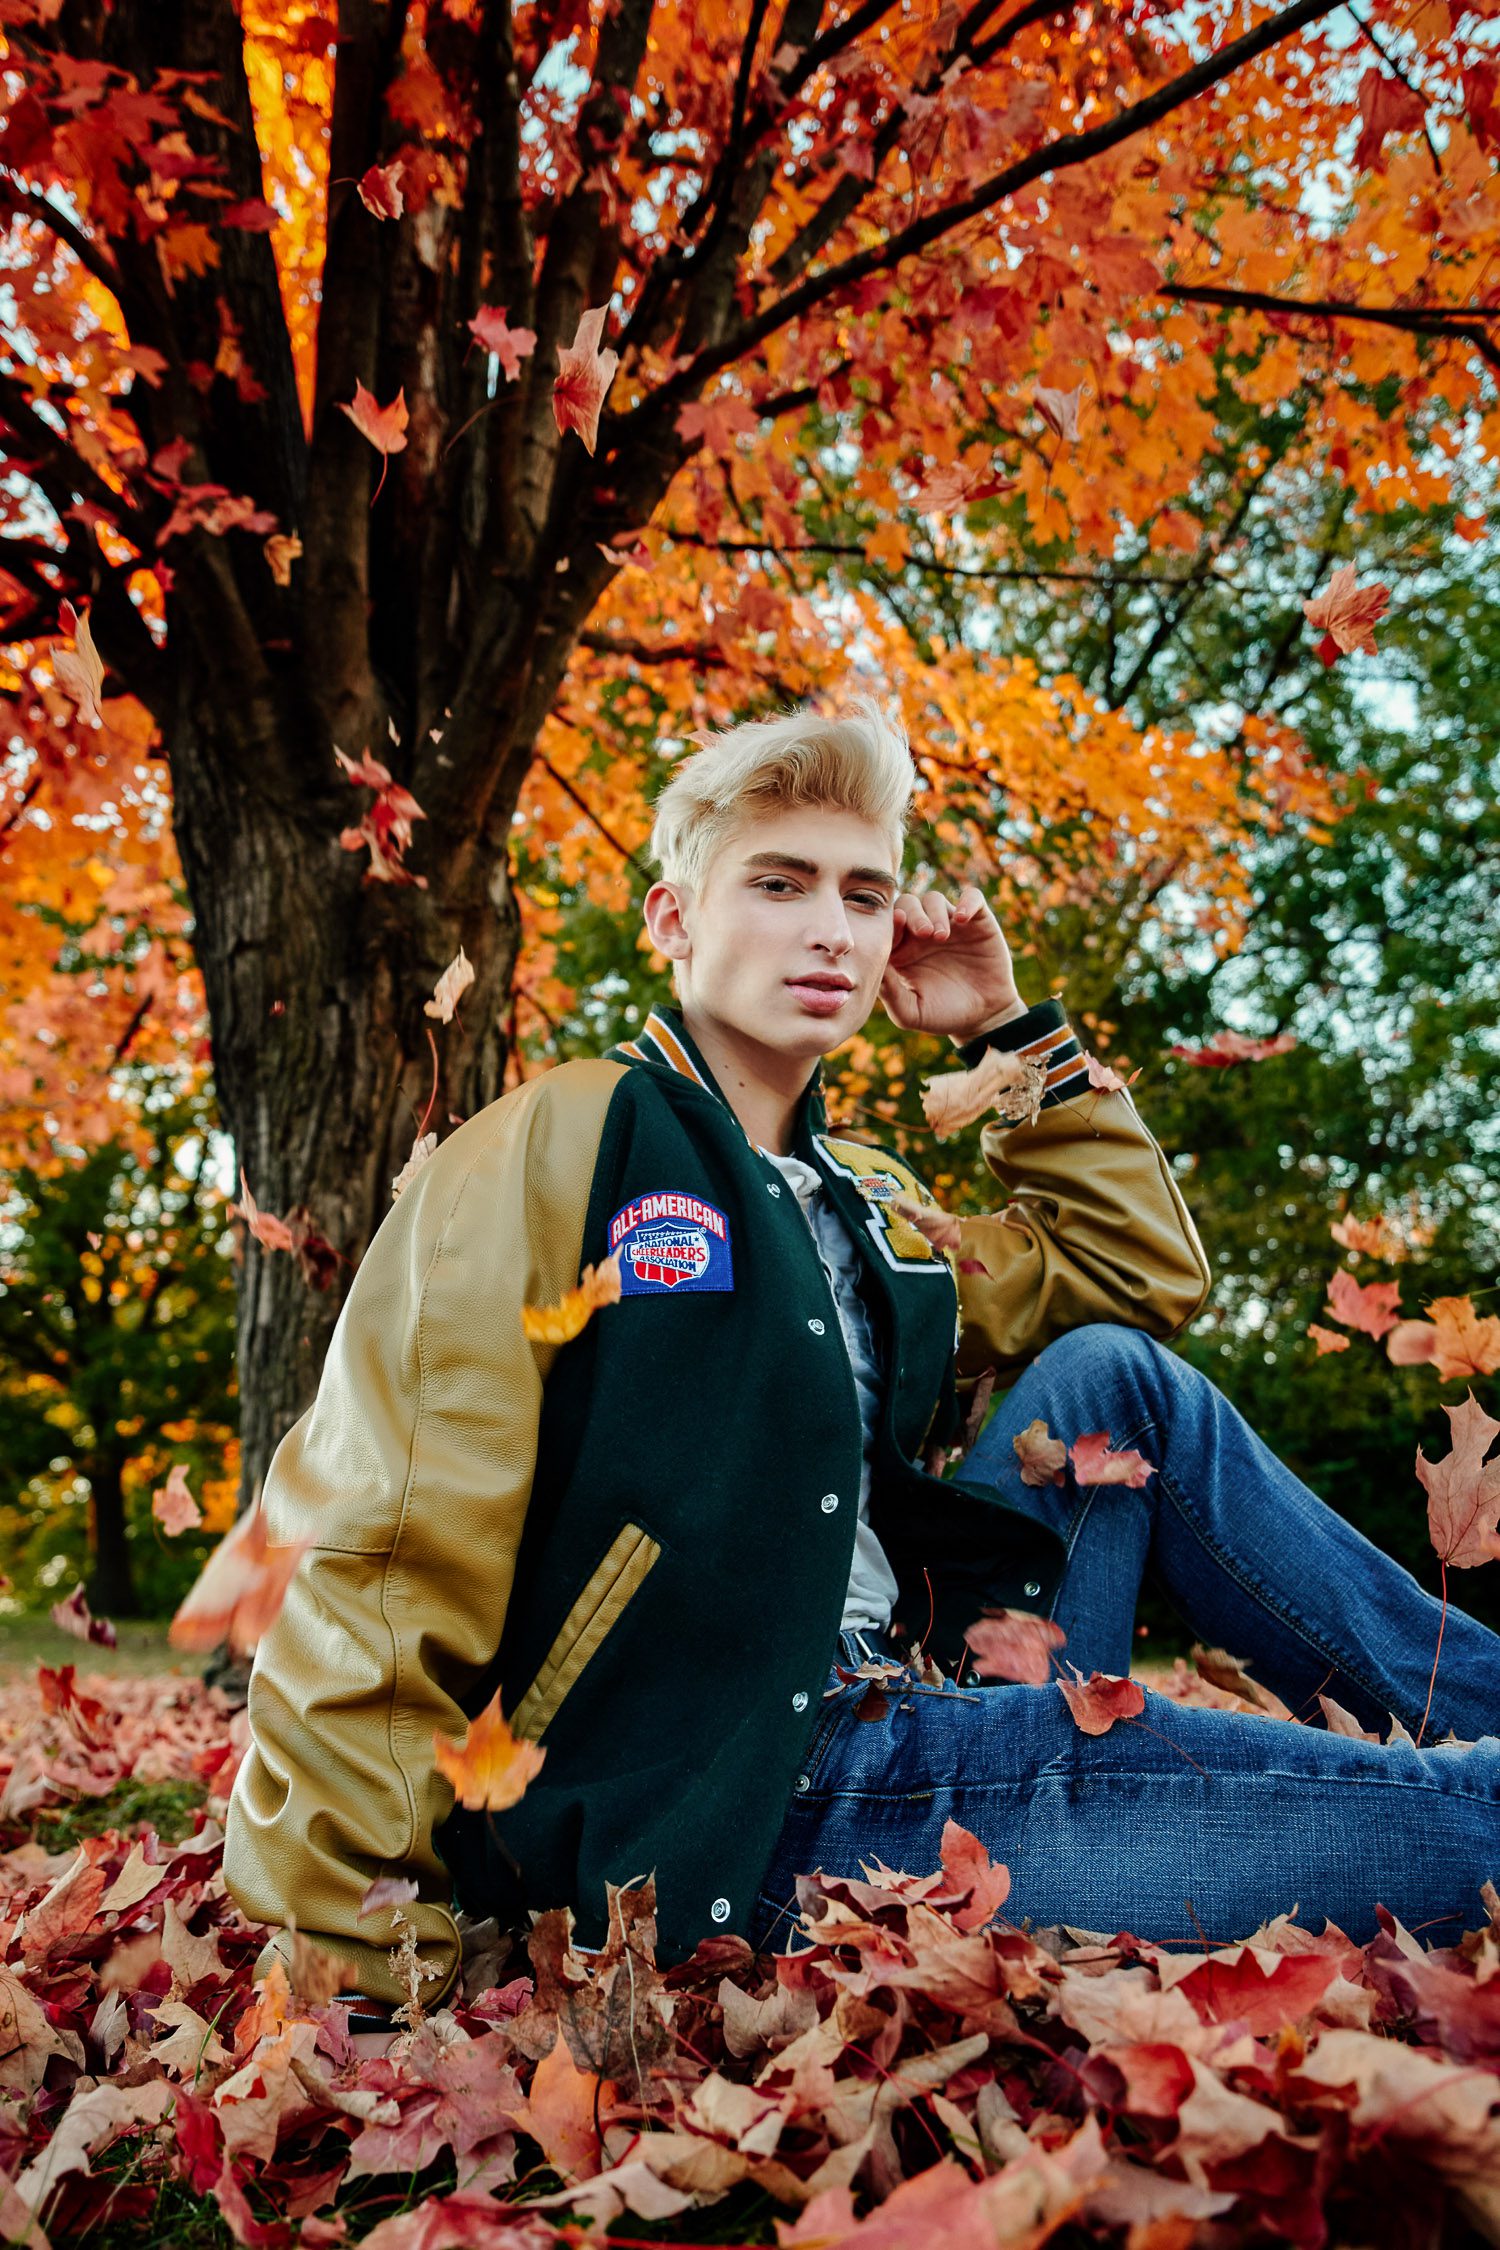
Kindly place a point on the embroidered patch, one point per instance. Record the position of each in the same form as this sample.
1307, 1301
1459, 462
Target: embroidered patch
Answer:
870, 1172
879, 1187
671, 1241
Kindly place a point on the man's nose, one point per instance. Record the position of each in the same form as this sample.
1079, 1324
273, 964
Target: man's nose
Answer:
831, 926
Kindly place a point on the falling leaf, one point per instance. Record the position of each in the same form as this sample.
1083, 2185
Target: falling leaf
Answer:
281, 550
510, 345
584, 374
1014, 1644
1096, 1702
173, 1505
1459, 1342
450, 987
1093, 1462
272, 1233
1371, 1309
1327, 1339
72, 1616
560, 1323
491, 1767
422, 1148
1108, 1081
1010, 1084
1059, 410
79, 671
1463, 1492
380, 190
1346, 614
1372, 1238
1043, 1457
939, 1228
387, 1890
1233, 1047
1387, 105
384, 426
239, 1590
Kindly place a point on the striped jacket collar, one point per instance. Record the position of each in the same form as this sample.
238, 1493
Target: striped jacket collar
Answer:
663, 1043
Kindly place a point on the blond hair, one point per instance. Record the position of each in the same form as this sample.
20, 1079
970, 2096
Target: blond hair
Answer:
857, 760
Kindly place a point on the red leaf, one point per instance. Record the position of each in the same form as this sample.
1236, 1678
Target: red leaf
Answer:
1016, 1644
72, 1616
384, 426
584, 374
1096, 1702
1372, 1309
1347, 613
380, 190
239, 1590
1463, 1492
173, 1505
510, 345
1093, 1463
1328, 1339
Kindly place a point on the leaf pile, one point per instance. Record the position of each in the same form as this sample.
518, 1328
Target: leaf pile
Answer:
915, 2067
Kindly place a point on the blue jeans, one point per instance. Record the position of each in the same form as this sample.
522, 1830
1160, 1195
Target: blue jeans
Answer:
1185, 1823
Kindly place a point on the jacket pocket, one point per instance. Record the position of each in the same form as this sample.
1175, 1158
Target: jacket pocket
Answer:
619, 1575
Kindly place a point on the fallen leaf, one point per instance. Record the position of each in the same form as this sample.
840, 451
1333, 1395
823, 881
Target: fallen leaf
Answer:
1093, 1462
1014, 1644
79, 670
1096, 1702
1222, 1670
1043, 1457
173, 1505
584, 374
1341, 1721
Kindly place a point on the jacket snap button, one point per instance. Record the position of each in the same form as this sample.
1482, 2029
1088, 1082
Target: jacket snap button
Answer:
799, 1700
720, 1910
774, 1186
972, 1679
804, 1781
829, 1502
816, 1326
1033, 1586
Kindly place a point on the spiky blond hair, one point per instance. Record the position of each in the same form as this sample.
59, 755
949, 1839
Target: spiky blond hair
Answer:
856, 759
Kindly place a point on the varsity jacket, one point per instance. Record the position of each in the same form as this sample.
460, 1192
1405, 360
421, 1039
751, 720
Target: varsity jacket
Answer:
642, 1538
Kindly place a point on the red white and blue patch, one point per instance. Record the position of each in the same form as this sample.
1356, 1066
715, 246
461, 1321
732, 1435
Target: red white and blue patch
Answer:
671, 1242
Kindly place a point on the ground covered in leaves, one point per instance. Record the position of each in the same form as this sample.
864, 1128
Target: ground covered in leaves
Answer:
915, 2070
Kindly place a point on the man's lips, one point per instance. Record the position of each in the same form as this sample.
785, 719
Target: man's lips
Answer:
822, 995
824, 981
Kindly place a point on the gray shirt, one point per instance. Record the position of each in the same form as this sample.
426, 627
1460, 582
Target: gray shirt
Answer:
872, 1582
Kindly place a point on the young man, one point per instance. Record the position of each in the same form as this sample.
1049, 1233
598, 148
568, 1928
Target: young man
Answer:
658, 1541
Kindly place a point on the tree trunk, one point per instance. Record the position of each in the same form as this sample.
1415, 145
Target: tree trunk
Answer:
324, 1060
110, 1586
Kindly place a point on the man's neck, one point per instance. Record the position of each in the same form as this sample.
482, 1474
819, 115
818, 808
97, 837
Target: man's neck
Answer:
761, 1086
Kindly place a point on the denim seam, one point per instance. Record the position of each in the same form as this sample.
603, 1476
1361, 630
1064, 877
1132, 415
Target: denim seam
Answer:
1135, 1776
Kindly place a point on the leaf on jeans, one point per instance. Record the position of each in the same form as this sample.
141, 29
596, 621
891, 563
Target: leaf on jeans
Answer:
1014, 1644
1093, 1462
1341, 1721
1222, 1670
969, 1869
1043, 1457
1329, 1339
1010, 1084
1096, 1702
1463, 1491
491, 1767
560, 1323
1372, 1309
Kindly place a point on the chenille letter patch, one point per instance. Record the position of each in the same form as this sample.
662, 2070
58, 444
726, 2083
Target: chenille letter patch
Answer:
671, 1241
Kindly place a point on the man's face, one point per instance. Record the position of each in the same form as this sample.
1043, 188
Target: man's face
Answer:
790, 936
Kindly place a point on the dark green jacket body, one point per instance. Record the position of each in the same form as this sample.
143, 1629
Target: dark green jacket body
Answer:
642, 1538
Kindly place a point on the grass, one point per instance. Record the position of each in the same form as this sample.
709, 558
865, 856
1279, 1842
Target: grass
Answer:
32, 1638
167, 1806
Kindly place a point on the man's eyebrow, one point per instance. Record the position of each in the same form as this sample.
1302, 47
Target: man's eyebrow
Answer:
879, 875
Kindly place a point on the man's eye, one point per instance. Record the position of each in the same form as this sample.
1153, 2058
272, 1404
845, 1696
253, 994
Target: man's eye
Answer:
869, 898
767, 880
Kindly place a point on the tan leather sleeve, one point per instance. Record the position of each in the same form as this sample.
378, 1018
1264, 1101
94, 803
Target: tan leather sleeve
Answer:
411, 1472
1096, 1229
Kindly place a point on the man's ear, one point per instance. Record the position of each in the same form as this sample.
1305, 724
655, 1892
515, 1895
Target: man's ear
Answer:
663, 910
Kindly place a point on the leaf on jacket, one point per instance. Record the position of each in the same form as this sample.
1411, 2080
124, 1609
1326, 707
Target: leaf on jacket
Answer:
72, 1616
79, 670
173, 1504
1093, 1462
1010, 1084
584, 374
936, 1226
239, 1590
1329, 1339
1457, 1341
560, 1323
1096, 1702
1372, 1309
491, 1767
1014, 1644
1043, 1457
1463, 1490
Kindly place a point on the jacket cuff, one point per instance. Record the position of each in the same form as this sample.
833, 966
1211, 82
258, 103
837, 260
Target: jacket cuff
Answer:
1044, 1033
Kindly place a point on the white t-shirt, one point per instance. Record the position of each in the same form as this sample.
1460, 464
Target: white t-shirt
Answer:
872, 1582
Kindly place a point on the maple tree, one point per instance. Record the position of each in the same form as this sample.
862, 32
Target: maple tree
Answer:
595, 296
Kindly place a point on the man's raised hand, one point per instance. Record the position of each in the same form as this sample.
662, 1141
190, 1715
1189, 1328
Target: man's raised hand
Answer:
950, 968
